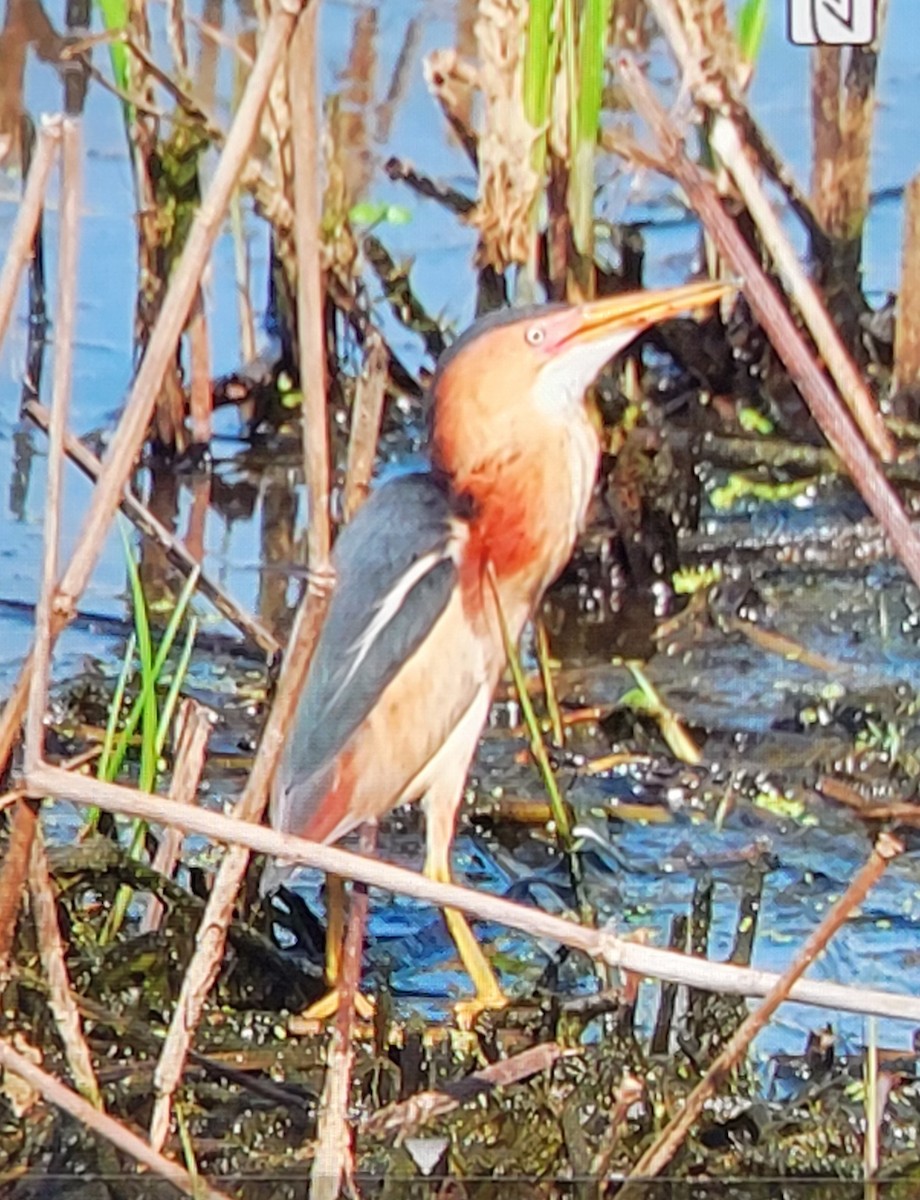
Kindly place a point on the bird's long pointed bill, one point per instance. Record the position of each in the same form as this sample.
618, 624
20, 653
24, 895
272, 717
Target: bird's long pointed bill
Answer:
639, 310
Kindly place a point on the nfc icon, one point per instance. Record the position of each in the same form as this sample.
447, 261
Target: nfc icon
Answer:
831, 22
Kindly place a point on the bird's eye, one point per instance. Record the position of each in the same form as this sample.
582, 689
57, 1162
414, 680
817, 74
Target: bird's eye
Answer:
535, 335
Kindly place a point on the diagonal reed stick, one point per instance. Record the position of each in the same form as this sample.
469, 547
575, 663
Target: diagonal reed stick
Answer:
599, 943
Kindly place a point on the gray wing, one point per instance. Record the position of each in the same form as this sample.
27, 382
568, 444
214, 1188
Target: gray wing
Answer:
394, 577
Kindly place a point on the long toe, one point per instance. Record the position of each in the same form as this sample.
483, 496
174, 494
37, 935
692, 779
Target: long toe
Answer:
467, 1012
312, 1018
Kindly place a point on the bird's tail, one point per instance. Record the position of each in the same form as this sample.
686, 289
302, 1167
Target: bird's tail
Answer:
276, 871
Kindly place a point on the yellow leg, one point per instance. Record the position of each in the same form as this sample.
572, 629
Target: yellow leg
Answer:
328, 1005
489, 994
335, 927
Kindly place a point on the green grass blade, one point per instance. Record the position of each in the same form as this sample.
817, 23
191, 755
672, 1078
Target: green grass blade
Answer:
538, 62
175, 687
587, 61
104, 764
166, 642
148, 698
750, 28
558, 805
115, 19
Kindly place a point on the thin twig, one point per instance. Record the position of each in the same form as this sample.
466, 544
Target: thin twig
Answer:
61, 385
135, 421
672, 1136
769, 309
599, 943
303, 84
403, 1118
150, 526
364, 434
333, 1162
119, 1135
22, 238
60, 995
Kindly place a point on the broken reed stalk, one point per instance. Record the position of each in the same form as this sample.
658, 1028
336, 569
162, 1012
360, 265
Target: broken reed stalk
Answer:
206, 961
907, 331
843, 112
135, 420
119, 1135
193, 730
31, 205
598, 943
60, 995
366, 415
150, 526
672, 1136
768, 307
201, 399
333, 1161
13, 873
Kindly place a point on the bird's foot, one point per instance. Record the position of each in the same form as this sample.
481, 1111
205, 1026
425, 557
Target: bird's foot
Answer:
313, 1017
467, 1012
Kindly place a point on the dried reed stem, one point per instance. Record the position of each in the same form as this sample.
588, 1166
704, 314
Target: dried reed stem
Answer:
907, 333
19, 249
333, 1162
843, 111
34, 692
60, 995
151, 527
201, 399
13, 875
767, 305
672, 1136
65, 324
194, 729
401, 1118
303, 84
135, 421
366, 416
642, 960
119, 1135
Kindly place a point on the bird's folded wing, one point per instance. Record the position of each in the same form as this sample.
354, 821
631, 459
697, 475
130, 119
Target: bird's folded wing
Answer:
396, 570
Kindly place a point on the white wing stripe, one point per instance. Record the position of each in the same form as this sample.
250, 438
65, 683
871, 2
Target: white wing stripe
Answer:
389, 606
